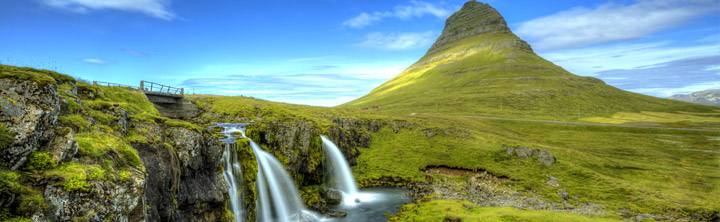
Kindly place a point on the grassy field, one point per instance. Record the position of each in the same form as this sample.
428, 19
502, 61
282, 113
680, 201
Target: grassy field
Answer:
643, 168
455, 210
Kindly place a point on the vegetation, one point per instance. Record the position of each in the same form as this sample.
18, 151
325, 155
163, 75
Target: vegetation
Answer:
27, 200
6, 137
76, 177
100, 145
503, 80
40, 160
455, 210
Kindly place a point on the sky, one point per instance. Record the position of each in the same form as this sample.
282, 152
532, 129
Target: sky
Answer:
327, 52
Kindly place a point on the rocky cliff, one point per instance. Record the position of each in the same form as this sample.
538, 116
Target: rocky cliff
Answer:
74, 151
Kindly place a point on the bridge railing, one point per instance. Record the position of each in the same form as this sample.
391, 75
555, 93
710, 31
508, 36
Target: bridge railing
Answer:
100, 83
160, 88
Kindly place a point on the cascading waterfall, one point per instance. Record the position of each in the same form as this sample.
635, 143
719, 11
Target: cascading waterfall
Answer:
232, 170
278, 197
342, 176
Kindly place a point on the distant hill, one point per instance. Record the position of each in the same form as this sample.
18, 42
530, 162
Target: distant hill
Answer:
705, 97
478, 65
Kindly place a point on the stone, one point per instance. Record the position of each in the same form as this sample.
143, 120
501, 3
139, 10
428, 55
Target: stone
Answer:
545, 157
332, 196
336, 213
553, 182
29, 110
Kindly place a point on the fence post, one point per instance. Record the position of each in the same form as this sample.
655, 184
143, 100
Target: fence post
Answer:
182, 91
142, 85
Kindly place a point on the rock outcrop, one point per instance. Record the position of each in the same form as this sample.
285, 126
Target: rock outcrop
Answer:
474, 19
71, 151
29, 111
184, 182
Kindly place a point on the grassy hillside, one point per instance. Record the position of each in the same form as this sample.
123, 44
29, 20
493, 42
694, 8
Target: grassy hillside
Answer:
496, 73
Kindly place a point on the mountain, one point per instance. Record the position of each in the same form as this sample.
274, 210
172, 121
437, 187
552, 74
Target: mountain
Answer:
706, 97
478, 65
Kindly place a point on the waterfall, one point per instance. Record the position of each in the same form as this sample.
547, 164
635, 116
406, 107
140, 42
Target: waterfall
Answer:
341, 174
232, 170
279, 199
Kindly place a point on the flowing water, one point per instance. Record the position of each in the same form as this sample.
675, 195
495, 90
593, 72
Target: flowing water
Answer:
278, 198
342, 178
232, 170
367, 205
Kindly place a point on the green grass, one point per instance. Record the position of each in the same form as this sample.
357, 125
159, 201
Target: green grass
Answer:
447, 210
600, 164
76, 177
27, 200
78, 122
481, 74
98, 146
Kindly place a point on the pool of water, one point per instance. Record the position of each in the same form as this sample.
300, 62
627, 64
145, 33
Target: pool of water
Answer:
376, 204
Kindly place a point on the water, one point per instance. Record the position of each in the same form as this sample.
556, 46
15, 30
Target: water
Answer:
279, 199
342, 178
367, 205
232, 170
377, 204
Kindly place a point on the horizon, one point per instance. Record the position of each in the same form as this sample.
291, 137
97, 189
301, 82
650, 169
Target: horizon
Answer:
326, 53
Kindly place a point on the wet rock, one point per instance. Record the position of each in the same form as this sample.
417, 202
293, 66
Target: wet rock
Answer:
29, 110
332, 196
336, 213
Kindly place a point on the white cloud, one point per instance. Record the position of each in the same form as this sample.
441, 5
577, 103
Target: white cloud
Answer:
611, 22
154, 8
338, 81
397, 41
591, 60
95, 61
415, 9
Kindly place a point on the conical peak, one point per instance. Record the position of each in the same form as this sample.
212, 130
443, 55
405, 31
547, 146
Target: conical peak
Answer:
474, 18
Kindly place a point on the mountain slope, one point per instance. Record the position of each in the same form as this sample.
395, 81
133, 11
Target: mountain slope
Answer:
478, 65
706, 97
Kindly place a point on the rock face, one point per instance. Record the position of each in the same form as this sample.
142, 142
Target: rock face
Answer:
107, 201
473, 19
705, 97
28, 110
184, 183
70, 151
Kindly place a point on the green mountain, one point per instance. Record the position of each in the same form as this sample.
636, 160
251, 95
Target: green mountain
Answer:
478, 65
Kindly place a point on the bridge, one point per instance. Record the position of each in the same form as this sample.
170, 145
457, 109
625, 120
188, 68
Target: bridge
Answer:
167, 99
155, 92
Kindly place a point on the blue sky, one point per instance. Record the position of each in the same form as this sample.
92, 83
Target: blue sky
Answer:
327, 52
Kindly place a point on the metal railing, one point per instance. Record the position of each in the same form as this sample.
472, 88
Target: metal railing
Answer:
100, 83
160, 88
